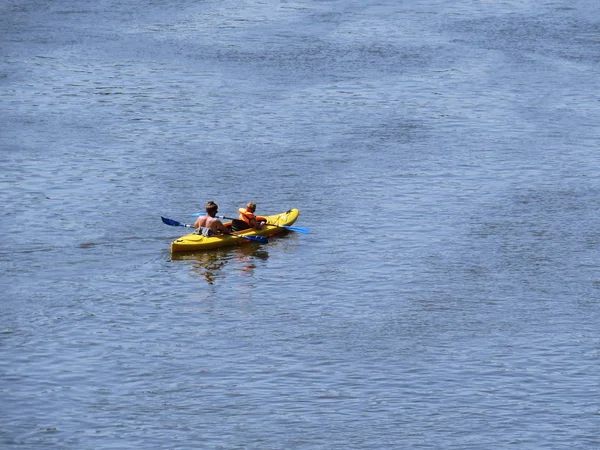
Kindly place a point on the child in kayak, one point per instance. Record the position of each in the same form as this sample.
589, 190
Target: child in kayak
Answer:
209, 225
250, 220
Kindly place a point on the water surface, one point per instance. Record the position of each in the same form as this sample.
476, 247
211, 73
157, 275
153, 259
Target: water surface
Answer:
444, 155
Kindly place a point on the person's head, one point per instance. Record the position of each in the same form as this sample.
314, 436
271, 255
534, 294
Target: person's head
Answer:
211, 208
251, 206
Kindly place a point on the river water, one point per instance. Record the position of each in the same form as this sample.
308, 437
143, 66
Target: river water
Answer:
443, 153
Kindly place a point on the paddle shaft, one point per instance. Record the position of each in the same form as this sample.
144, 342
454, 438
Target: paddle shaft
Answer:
287, 227
174, 223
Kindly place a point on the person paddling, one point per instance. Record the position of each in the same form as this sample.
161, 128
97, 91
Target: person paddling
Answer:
209, 225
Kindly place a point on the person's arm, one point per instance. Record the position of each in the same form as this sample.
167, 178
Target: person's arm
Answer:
222, 228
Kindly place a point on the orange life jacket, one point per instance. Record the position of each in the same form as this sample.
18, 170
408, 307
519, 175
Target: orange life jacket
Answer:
247, 216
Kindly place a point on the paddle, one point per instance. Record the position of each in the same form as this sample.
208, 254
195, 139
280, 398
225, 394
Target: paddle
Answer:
257, 239
296, 229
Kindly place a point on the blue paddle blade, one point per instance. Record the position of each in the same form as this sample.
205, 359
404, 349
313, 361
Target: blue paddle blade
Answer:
297, 229
257, 239
172, 222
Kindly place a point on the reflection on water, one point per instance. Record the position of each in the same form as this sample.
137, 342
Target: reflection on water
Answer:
209, 264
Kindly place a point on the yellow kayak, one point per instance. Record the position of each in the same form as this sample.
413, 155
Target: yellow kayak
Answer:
194, 242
